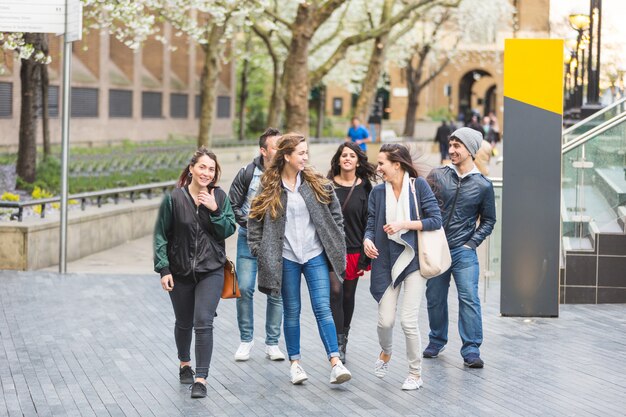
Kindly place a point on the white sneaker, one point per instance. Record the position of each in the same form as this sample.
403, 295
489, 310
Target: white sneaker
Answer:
243, 352
339, 374
273, 353
298, 376
380, 368
412, 382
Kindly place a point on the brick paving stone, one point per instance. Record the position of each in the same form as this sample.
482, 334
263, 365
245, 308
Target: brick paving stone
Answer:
102, 345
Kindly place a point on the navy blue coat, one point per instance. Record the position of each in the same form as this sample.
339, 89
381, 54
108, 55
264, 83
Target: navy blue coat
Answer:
388, 250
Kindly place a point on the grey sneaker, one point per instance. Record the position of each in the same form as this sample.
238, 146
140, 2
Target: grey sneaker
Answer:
380, 368
298, 376
412, 382
339, 374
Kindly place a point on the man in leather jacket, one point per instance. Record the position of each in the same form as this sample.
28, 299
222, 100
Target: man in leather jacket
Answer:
242, 191
465, 197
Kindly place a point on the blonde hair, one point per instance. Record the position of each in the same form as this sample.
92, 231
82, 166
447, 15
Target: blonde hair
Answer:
268, 201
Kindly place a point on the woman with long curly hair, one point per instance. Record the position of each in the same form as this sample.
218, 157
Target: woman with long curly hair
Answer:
295, 227
352, 176
189, 254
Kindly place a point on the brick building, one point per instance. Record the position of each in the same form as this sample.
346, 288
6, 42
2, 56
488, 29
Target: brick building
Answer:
119, 93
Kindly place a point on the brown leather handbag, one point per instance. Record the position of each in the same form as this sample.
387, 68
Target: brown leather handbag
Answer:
231, 284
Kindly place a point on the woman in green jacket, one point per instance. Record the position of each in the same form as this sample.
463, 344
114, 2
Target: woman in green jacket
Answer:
189, 254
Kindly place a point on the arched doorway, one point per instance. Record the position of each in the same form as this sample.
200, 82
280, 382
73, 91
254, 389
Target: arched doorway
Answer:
466, 92
490, 100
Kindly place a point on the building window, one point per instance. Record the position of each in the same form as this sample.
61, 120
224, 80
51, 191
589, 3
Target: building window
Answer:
120, 103
6, 99
179, 106
151, 105
223, 107
84, 102
337, 106
53, 101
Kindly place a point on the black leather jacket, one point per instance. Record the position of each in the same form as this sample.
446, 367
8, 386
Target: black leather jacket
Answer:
239, 189
188, 239
462, 203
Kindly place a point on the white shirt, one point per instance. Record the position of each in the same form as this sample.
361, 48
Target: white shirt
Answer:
301, 242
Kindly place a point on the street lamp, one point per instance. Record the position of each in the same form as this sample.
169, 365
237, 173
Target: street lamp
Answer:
593, 71
580, 23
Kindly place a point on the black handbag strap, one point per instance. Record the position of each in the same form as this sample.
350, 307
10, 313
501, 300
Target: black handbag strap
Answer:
345, 203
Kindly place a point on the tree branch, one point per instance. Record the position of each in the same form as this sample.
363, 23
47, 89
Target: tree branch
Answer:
324, 12
332, 36
319, 73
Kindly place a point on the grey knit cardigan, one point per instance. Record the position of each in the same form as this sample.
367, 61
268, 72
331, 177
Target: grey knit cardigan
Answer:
265, 238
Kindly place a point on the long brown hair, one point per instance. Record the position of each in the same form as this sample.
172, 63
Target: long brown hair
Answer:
400, 153
268, 201
365, 170
185, 176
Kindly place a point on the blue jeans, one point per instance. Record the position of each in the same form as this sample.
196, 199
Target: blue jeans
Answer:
317, 279
246, 273
465, 272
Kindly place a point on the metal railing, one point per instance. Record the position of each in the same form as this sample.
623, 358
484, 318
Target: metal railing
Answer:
84, 197
587, 136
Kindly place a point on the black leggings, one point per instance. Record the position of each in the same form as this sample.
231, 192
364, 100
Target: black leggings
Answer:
194, 308
342, 301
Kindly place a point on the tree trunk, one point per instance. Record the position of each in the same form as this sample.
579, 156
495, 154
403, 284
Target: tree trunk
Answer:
243, 93
45, 114
30, 82
208, 86
278, 98
374, 68
411, 112
413, 78
297, 74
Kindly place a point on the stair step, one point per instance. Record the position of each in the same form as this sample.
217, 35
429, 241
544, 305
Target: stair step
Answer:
577, 244
621, 217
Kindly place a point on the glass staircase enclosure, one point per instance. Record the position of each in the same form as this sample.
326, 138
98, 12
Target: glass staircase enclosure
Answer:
594, 181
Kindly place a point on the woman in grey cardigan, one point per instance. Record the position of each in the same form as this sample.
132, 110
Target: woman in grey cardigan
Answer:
295, 227
391, 242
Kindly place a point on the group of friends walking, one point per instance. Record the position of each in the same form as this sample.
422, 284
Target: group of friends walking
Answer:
295, 222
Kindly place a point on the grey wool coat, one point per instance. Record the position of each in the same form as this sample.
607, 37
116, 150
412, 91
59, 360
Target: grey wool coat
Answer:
265, 238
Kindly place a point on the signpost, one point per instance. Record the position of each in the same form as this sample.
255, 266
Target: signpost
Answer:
60, 17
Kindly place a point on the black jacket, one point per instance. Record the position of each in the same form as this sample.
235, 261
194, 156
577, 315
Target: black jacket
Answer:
462, 203
239, 189
189, 240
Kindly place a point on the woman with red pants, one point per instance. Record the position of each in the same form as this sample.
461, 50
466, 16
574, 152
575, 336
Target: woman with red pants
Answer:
351, 174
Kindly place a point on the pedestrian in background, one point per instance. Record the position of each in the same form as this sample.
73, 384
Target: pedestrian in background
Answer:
295, 227
391, 243
242, 190
358, 134
189, 254
351, 174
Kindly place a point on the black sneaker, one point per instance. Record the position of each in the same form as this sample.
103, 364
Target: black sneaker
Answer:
186, 375
198, 390
433, 350
473, 360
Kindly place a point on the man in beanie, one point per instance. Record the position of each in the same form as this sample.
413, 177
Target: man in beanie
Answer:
465, 197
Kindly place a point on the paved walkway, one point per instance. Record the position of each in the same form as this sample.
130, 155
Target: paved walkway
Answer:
102, 345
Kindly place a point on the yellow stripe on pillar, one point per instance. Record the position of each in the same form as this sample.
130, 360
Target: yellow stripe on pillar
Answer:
533, 72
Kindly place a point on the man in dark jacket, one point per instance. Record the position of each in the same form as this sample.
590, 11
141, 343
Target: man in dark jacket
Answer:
465, 196
242, 191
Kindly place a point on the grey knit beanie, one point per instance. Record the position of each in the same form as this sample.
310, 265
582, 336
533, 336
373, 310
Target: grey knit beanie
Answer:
471, 139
